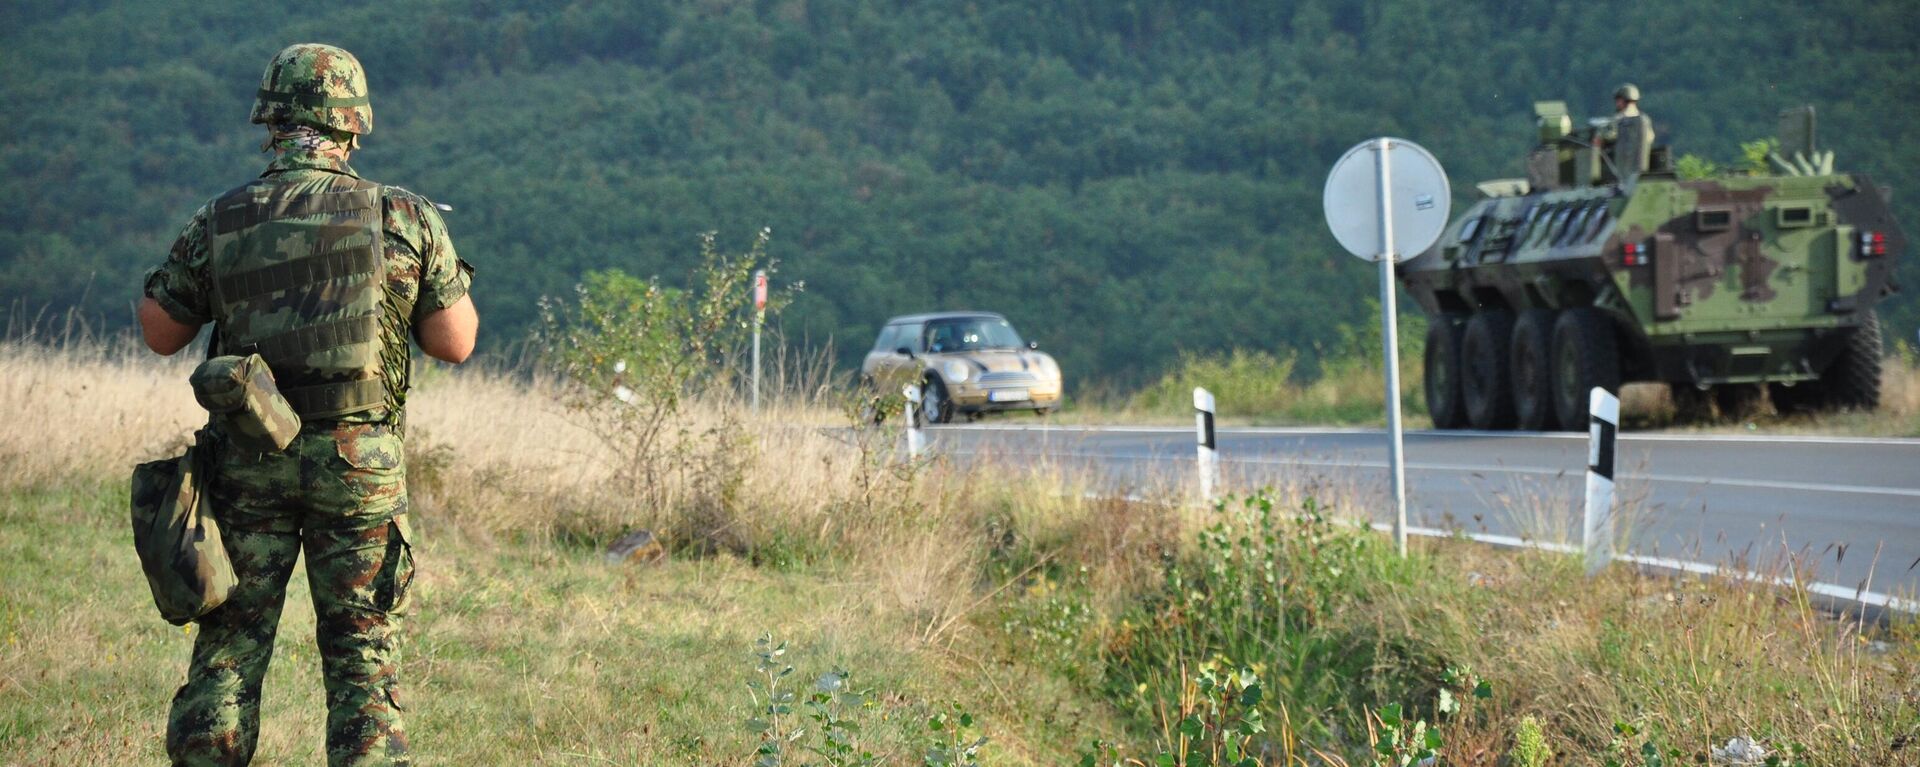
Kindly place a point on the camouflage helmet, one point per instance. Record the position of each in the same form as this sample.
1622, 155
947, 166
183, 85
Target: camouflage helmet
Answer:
318, 85
1629, 91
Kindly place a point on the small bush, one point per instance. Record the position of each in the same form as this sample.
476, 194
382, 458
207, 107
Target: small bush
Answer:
1348, 387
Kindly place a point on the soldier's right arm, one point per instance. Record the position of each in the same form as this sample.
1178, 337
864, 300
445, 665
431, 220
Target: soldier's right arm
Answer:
176, 305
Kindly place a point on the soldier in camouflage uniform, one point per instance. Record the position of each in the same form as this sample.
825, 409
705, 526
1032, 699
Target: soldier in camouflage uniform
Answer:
1629, 135
325, 276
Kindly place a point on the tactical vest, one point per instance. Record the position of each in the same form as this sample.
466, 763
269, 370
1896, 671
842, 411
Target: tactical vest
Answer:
298, 278
1633, 145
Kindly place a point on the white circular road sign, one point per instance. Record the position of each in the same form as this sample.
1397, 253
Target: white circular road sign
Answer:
1411, 187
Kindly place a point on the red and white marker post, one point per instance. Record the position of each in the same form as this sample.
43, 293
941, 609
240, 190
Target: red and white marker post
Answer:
759, 318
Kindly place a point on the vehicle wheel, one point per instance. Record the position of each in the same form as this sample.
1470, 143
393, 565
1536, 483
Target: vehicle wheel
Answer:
1738, 402
1691, 404
1585, 355
934, 405
1532, 366
1443, 372
1853, 381
1487, 381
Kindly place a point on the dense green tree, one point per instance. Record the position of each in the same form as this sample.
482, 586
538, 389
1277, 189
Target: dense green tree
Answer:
1128, 179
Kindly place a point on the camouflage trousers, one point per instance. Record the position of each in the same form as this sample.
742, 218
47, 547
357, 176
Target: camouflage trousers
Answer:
338, 493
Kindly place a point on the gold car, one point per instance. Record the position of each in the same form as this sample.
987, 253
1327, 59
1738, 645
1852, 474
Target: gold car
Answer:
966, 363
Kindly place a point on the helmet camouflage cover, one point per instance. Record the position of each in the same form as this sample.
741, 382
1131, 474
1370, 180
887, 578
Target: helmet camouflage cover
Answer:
314, 84
1628, 91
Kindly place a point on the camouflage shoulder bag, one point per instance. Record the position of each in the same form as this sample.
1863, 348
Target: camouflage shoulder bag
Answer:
179, 543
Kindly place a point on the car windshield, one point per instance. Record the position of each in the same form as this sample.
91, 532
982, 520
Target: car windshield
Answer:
968, 333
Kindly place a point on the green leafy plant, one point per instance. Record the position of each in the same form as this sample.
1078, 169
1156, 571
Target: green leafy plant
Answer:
1753, 155
631, 355
952, 739
1693, 167
832, 708
1218, 719
772, 703
1274, 589
1398, 742
1530, 747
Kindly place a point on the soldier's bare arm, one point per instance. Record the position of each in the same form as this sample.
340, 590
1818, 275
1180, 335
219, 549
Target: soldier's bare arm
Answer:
448, 334
163, 333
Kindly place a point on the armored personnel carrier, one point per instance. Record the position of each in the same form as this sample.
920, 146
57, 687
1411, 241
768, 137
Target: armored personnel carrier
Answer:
1728, 288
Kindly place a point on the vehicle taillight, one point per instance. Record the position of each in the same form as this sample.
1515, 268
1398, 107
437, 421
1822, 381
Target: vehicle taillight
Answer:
1873, 244
1635, 254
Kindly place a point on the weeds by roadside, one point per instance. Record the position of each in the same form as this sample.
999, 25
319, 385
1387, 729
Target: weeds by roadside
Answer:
1052, 618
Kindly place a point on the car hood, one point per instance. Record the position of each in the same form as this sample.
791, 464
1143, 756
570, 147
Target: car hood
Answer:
1008, 361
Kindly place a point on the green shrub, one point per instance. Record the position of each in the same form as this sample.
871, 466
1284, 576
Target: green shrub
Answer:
1293, 595
1530, 747
1348, 386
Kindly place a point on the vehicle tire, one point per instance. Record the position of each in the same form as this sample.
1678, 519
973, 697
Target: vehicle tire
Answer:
1585, 355
1853, 381
934, 405
1532, 366
1486, 381
1443, 372
1737, 402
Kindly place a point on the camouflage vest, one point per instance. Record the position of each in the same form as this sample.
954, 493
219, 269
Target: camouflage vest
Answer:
298, 278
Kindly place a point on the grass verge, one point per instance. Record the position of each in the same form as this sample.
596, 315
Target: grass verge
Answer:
1263, 629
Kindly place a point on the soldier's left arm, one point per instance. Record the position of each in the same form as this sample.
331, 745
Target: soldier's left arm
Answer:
445, 323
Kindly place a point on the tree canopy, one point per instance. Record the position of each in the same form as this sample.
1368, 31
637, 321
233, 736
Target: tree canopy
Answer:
1127, 180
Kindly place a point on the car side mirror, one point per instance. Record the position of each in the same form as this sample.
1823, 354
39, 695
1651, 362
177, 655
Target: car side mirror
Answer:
1034, 345
903, 351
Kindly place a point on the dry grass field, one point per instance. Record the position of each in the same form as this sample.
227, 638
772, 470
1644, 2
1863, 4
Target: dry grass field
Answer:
1051, 618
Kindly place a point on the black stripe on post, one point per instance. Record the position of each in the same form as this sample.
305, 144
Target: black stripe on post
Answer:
1206, 430
1602, 463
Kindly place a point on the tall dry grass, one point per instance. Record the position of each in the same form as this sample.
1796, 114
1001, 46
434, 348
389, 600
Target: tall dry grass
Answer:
494, 457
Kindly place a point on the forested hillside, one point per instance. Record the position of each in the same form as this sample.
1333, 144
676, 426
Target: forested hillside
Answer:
1127, 179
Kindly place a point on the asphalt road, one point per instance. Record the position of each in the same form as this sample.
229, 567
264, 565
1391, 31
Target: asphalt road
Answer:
1850, 508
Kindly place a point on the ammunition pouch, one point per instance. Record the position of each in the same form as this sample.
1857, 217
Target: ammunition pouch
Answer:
246, 405
180, 546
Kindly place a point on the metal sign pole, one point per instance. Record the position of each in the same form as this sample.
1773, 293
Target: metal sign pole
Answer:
1390, 337
1362, 215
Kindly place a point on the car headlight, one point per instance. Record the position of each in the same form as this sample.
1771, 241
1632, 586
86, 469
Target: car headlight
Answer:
1048, 367
956, 371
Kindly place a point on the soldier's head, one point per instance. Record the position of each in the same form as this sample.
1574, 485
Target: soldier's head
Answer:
318, 87
1624, 95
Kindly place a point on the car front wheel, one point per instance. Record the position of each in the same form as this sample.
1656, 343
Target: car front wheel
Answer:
934, 406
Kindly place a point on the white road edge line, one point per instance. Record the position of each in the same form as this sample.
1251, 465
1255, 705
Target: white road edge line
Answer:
1467, 433
1687, 479
1871, 598
1862, 596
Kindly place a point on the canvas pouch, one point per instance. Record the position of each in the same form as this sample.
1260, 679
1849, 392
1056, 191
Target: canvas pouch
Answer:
246, 404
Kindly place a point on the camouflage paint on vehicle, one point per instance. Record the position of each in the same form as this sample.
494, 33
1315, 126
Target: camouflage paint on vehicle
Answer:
1734, 279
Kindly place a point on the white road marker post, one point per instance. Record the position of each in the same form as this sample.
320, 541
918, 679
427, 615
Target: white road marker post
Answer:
1603, 426
759, 319
1387, 200
1209, 456
916, 439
